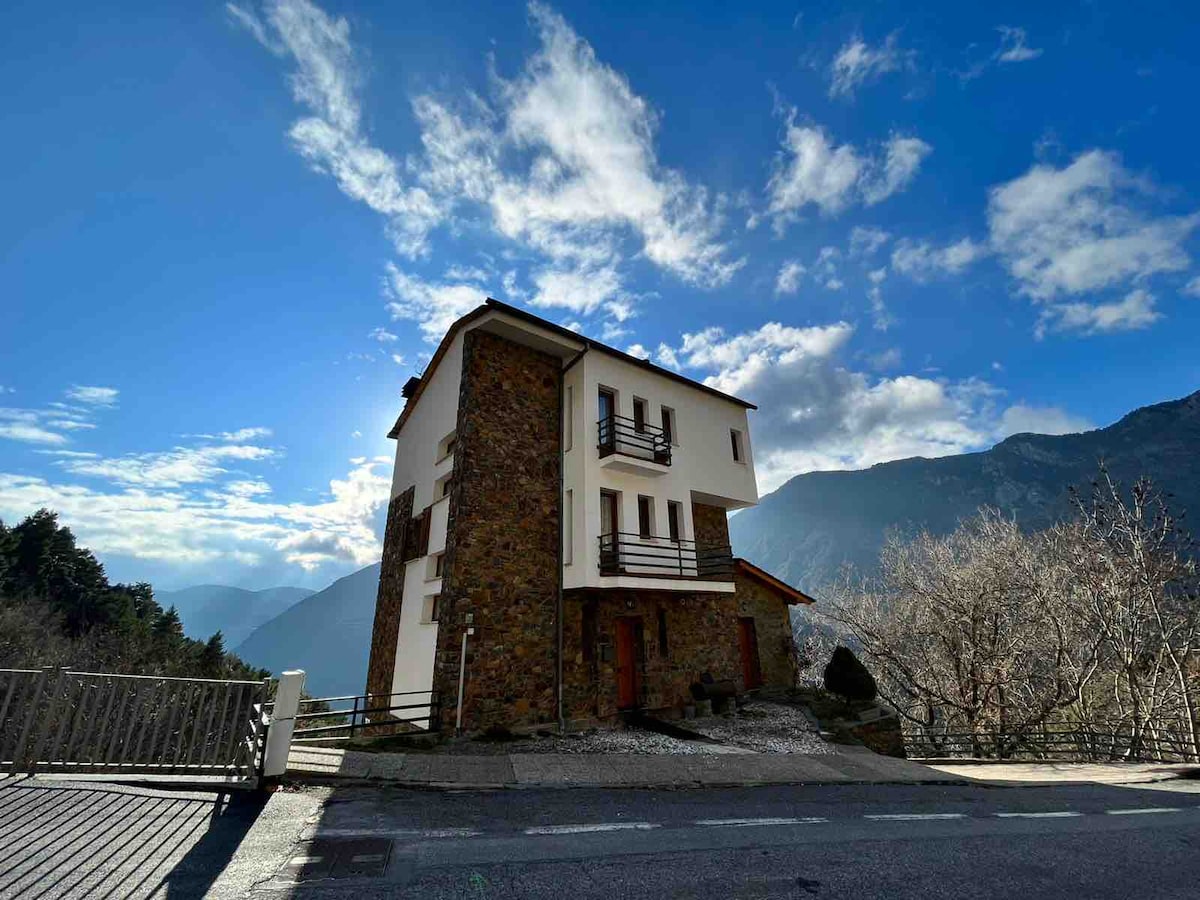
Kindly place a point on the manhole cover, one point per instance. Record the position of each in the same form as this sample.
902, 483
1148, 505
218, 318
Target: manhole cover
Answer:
336, 858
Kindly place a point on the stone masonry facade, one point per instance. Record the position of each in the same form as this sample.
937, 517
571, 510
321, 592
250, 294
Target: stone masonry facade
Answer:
682, 637
502, 547
773, 628
386, 630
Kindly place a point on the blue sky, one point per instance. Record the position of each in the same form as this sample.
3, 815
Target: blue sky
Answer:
233, 231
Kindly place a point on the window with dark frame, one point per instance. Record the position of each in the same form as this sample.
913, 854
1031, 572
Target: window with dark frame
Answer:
668, 428
639, 415
673, 526
645, 517
439, 565
735, 438
434, 607
662, 632
587, 636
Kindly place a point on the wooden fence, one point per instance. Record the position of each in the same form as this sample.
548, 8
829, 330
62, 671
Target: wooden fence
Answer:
55, 720
1063, 741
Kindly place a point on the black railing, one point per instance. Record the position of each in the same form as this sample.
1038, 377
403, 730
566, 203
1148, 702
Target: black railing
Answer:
624, 553
1081, 741
629, 437
374, 715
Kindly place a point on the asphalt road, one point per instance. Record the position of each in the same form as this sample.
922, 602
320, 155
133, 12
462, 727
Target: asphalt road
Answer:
920, 841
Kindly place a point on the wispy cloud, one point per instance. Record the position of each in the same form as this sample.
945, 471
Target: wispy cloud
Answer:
1012, 46
559, 160
1087, 227
813, 170
788, 279
383, 336
91, 395
857, 63
922, 261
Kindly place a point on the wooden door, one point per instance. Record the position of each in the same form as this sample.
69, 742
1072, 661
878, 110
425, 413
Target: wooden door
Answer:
628, 662
748, 641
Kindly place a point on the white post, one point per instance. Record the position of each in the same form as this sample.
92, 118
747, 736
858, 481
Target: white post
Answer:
283, 723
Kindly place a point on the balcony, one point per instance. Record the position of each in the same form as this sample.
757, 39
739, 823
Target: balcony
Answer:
632, 446
624, 553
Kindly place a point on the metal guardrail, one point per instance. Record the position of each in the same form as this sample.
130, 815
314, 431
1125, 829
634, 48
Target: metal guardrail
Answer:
628, 437
322, 719
1063, 741
57, 720
627, 553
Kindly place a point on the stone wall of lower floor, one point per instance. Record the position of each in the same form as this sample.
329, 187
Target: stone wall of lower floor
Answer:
773, 628
680, 637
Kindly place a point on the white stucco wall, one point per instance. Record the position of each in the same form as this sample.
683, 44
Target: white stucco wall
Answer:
419, 465
702, 465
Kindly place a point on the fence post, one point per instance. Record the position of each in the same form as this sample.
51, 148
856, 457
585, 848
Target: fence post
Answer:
283, 723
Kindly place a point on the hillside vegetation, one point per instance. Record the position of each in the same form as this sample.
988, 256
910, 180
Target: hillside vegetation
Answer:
58, 608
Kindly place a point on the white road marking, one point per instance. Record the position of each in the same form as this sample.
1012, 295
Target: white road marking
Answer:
368, 857
305, 860
746, 823
587, 829
912, 817
1142, 812
1064, 814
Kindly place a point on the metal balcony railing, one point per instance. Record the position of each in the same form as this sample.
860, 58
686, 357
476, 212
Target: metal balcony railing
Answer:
620, 434
624, 553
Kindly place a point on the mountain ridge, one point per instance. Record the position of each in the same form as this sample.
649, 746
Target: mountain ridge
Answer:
813, 524
205, 609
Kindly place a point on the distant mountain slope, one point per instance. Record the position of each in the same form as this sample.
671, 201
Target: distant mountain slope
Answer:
807, 529
234, 612
328, 635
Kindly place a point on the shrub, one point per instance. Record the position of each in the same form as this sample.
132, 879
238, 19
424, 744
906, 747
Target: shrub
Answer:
847, 677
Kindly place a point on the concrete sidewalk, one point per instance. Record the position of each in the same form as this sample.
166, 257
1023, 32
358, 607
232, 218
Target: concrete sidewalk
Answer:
848, 765
1064, 772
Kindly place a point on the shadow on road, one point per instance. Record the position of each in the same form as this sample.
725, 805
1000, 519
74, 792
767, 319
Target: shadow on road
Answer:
84, 840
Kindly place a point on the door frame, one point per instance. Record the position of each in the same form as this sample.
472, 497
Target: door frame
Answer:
748, 649
628, 668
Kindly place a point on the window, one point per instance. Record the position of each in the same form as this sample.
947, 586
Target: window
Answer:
735, 438
446, 446
607, 409
668, 424
662, 632
431, 609
646, 516
587, 629
639, 415
674, 520
568, 418
568, 528
439, 565
442, 487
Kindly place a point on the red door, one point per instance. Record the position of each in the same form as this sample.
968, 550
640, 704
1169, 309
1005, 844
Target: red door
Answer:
748, 640
628, 674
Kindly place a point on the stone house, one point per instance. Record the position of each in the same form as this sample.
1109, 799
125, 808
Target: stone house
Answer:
557, 547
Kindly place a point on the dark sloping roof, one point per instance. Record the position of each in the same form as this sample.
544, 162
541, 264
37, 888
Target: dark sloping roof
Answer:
786, 591
414, 392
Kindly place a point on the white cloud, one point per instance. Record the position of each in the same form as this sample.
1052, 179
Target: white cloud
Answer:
434, 305
398, 359
788, 279
383, 336
921, 260
239, 436
813, 170
170, 468
326, 80
231, 522
638, 351
29, 433
858, 63
866, 241
580, 290
91, 395
1012, 46
1192, 288
1083, 228
816, 413
1135, 312
1020, 418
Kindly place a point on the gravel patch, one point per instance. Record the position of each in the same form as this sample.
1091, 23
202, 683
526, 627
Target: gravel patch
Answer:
764, 727
626, 740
